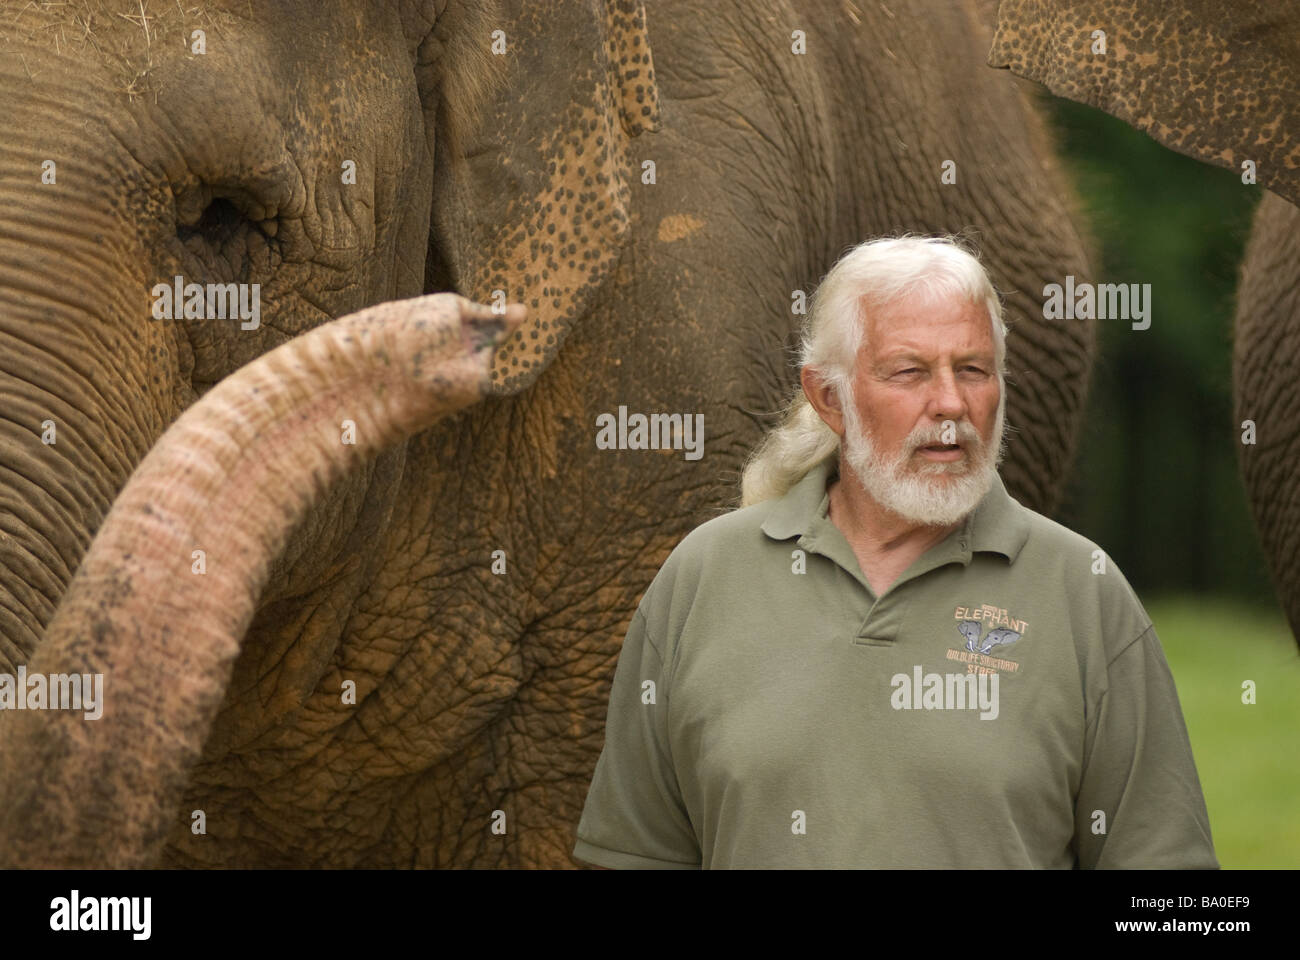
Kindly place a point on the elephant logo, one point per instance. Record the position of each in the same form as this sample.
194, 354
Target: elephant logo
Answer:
970, 629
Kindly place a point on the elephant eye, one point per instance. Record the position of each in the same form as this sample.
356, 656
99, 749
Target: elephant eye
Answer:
230, 228
223, 215
217, 222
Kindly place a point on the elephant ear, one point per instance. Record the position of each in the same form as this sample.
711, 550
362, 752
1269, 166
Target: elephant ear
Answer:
1218, 80
536, 201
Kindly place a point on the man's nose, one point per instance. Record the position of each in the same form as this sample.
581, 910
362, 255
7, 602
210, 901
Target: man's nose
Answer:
946, 400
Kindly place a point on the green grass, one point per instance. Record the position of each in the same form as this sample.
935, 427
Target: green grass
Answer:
1247, 756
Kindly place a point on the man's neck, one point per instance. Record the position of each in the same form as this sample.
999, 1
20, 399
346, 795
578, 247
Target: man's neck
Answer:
869, 527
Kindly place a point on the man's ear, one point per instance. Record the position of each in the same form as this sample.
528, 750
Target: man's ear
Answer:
823, 397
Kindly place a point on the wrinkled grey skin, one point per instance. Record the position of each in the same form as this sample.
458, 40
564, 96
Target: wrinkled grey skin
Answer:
476, 692
1238, 60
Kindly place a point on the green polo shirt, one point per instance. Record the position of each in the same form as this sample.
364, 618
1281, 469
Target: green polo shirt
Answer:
1004, 703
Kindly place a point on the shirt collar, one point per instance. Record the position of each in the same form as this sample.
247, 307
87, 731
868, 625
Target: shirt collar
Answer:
996, 525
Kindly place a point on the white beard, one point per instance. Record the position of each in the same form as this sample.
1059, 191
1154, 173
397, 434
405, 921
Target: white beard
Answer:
930, 493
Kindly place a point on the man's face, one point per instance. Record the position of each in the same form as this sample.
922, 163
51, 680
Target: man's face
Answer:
927, 362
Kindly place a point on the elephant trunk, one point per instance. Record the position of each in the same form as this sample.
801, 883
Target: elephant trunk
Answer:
165, 593
72, 422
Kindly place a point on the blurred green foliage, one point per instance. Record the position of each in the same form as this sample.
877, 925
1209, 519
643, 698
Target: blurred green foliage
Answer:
1155, 480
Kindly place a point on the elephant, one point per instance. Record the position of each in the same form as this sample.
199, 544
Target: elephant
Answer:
395, 650
1219, 82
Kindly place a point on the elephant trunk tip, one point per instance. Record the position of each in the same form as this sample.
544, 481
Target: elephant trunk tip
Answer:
488, 327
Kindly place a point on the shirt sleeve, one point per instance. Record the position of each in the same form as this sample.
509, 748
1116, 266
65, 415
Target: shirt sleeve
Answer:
634, 815
1138, 773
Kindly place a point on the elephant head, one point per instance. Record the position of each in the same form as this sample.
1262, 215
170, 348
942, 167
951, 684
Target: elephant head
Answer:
1218, 81
327, 157
423, 656
355, 189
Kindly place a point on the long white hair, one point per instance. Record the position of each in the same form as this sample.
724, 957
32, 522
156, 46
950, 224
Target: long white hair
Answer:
872, 275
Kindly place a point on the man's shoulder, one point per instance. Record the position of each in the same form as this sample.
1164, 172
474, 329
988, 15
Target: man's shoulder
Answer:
1088, 574
715, 555
1048, 534
1048, 537
731, 535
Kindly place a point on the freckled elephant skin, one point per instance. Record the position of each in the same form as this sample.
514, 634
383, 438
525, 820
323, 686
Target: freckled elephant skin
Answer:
1218, 81
1214, 79
480, 694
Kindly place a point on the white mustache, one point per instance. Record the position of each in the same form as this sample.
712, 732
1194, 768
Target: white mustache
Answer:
967, 436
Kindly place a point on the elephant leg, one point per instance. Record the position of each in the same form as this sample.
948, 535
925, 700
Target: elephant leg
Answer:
1266, 388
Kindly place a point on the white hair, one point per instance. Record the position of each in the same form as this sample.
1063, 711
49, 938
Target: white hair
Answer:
871, 276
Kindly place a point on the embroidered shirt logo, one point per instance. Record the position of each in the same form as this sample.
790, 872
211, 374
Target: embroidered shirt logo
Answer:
1004, 630
970, 629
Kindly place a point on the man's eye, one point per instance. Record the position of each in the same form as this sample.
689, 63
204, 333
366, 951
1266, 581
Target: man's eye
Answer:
908, 370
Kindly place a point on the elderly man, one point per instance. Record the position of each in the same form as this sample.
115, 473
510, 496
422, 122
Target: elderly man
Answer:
882, 659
